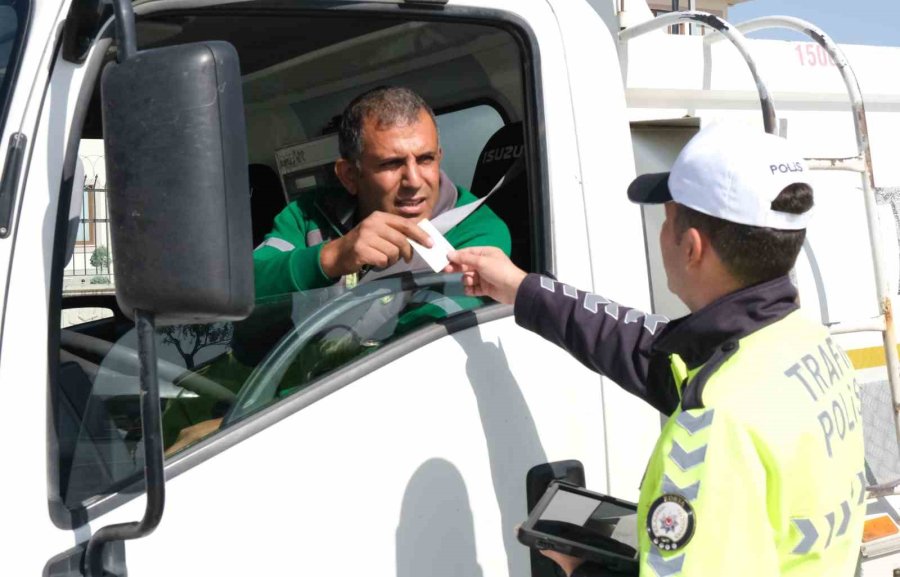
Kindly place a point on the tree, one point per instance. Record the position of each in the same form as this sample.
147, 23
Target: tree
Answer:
189, 340
100, 258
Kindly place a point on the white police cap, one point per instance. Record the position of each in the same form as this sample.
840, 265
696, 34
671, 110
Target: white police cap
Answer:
730, 172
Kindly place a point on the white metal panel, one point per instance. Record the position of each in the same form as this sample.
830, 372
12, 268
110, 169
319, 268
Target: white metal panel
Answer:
23, 365
44, 28
418, 469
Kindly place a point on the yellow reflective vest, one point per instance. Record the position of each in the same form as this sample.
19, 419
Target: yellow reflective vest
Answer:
759, 469
768, 472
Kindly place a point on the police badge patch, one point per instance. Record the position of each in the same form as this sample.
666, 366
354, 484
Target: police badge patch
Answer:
670, 522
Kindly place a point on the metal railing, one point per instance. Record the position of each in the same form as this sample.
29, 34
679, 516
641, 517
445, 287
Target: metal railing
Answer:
767, 105
861, 164
91, 267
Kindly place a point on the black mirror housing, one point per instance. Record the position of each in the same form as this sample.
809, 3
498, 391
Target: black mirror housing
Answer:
179, 204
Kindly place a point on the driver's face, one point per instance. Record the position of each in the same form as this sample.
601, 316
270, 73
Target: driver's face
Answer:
399, 169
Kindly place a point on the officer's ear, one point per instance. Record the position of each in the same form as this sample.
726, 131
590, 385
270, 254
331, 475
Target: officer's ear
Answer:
696, 247
347, 171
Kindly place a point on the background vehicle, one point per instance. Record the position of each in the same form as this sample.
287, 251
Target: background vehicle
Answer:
400, 447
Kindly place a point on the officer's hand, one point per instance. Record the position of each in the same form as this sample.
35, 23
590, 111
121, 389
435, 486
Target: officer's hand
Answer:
380, 240
487, 272
566, 562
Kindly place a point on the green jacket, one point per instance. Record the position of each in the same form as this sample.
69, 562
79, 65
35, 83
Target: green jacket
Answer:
288, 260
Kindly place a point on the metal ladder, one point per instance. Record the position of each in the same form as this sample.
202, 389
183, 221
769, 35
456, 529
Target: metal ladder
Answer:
861, 163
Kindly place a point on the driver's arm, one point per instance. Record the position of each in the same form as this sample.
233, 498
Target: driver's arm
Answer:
190, 435
284, 263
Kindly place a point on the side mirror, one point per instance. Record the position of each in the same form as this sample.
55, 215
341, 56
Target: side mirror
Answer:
179, 213
179, 204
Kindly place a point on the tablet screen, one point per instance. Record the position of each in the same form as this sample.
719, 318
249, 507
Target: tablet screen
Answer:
589, 520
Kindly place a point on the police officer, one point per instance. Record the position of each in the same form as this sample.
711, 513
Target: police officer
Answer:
759, 468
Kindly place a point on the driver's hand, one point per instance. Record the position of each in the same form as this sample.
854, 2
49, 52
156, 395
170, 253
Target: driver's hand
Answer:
379, 240
190, 435
487, 271
566, 562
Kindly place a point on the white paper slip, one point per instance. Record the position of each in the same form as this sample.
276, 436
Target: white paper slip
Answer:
436, 256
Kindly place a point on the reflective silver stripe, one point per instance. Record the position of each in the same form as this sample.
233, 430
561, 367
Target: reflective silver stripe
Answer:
314, 238
687, 460
612, 309
664, 567
633, 316
570, 292
810, 536
547, 284
693, 424
592, 302
652, 322
845, 509
278, 244
689, 492
830, 518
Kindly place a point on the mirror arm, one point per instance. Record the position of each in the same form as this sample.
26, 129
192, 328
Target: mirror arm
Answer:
126, 37
154, 474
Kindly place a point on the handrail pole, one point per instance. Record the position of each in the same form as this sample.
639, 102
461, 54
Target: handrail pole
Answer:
766, 102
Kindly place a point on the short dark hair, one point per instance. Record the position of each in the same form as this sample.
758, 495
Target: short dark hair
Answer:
752, 254
388, 105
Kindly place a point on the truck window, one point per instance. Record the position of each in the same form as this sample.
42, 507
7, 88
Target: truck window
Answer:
13, 24
216, 376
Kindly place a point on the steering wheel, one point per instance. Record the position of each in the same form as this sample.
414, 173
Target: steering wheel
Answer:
126, 360
263, 383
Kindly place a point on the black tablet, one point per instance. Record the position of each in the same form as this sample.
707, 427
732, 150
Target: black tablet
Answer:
584, 524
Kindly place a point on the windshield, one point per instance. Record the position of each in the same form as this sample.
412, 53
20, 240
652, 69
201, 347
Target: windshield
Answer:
214, 375
13, 14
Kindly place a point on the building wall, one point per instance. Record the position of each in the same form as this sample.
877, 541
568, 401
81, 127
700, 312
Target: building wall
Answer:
717, 7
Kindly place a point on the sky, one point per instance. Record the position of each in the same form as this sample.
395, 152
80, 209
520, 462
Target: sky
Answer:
874, 22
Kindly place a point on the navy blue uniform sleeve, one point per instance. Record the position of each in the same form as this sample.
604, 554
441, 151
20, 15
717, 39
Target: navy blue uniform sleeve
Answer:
606, 337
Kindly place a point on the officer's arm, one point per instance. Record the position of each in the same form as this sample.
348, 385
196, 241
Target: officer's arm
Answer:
605, 336
708, 511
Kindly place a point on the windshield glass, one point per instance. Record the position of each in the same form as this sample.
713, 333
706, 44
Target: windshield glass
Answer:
213, 375
13, 14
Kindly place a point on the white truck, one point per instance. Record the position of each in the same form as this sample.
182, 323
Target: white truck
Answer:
331, 442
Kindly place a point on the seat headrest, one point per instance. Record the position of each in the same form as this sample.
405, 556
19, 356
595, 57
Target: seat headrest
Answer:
498, 155
266, 199
263, 178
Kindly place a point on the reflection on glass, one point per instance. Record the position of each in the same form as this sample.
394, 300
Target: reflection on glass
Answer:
12, 14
